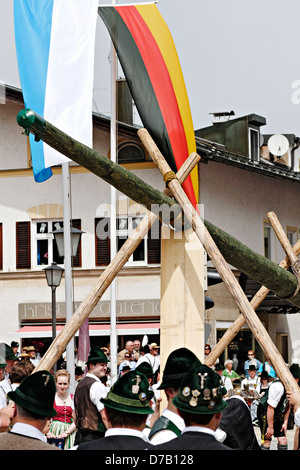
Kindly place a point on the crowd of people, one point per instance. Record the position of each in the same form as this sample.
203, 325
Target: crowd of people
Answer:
206, 408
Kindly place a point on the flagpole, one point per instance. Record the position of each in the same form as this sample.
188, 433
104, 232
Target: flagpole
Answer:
70, 362
113, 195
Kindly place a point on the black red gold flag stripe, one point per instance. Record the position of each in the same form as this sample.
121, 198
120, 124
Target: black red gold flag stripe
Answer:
149, 60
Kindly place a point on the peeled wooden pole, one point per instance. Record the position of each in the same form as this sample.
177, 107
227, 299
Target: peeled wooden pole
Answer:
233, 330
58, 346
223, 269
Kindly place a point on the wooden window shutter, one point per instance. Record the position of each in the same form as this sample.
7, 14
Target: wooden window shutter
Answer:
1, 247
154, 239
77, 260
23, 254
102, 241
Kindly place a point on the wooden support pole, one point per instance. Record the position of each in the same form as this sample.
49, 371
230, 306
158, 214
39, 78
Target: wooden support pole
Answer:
58, 346
233, 330
282, 237
223, 269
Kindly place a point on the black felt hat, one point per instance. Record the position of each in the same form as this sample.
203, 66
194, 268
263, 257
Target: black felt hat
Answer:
97, 355
145, 369
179, 362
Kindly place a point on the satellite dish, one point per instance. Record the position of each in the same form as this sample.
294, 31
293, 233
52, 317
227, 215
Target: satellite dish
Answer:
278, 145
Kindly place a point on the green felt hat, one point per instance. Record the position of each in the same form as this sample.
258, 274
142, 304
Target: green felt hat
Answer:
179, 362
145, 369
130, 393
97, 355
7, 352
2, 363
36, 394
201, 392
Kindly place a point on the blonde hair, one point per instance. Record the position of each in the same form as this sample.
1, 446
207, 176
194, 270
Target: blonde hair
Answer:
62, 372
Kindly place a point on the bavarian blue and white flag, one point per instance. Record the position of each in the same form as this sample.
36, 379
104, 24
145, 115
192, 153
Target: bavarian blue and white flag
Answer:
55, 45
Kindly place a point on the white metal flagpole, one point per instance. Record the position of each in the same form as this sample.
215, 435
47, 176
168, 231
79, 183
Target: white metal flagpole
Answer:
68, 269
113, 248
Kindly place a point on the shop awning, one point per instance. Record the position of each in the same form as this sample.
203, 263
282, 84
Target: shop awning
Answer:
45, 331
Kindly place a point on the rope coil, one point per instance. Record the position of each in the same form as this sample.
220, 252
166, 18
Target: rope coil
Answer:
169, 176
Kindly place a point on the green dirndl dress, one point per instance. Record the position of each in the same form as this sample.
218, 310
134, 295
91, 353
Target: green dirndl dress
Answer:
62, 421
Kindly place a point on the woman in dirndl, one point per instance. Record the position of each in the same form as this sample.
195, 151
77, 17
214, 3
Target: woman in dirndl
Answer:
63, 424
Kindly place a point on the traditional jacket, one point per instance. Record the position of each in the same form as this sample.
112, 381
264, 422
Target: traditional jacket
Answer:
119, 439
13, 441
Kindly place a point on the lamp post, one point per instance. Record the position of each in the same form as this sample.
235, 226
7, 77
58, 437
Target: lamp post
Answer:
67, 242
53, 275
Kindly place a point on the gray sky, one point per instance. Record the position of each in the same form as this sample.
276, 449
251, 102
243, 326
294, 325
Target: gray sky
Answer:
235, 55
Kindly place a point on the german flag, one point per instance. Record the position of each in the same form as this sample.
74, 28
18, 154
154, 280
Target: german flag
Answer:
149, 60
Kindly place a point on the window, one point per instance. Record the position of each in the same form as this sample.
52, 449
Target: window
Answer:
147, 252
282, 343
130, 152
254, 145
45, 250
268, 252
125, 226
292, 234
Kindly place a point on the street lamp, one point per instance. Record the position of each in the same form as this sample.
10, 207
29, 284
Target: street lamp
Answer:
67, 242
53, 275
75, 240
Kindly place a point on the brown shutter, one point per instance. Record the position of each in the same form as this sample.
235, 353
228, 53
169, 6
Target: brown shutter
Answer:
102, 241
23, 253
154, 237
76, 261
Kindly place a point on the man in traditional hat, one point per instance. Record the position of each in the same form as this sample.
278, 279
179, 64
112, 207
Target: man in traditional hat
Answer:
6, 413
34, 399
170, 425
32, 356
200, 403
10, 358
126, 408
87, 398
273, 415
152, 357
6, 410
251, 387
15, 346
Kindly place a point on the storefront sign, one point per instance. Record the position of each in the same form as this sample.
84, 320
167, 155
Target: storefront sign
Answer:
30, 312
